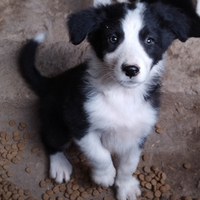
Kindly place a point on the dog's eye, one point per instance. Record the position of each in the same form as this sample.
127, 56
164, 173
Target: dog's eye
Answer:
149, 41
113, 39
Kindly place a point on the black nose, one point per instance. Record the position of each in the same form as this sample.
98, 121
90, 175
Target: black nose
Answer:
130, 70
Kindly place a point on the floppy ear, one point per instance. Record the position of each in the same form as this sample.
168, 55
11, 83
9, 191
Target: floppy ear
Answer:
184, 21
80, 24
195, 26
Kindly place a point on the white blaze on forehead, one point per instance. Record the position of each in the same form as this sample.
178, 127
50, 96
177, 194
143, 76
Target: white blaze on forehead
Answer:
132, 25
133, 22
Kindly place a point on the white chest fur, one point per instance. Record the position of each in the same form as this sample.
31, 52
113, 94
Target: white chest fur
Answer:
120, 115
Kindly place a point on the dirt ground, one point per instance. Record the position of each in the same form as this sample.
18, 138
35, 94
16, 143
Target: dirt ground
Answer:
179, 116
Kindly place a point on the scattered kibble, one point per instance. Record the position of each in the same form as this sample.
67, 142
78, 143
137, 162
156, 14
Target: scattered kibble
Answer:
145, 157
43, 184
187, 165
29, 170
35, 149
12, 122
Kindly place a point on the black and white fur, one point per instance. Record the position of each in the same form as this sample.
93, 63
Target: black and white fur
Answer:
110, 103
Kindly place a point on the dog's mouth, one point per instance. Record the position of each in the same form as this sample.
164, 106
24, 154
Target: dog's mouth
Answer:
129, 83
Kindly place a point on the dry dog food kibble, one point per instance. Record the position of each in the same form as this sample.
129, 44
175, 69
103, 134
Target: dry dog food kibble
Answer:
26, 135
35, 149
187, 165
29, 170
12, 122
43, 184
145, 157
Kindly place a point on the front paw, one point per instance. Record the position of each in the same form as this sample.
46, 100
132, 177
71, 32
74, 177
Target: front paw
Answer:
128, 189
60, 167
104, 177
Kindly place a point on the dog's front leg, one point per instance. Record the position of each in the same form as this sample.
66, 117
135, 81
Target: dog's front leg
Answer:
103, 171
127, 185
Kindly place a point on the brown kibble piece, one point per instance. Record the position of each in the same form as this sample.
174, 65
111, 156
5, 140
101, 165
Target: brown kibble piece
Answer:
158, 125
164, 176
20, 128
48, 180
3, 134
84, 194
59, 198
56, 189
16, 138
187, 198
8, 138
35, 149
21, 192
20, 145
49, 192
145, 157
3, 176
26, 135
187, 165
6, 167
15, 196
12, 122
159, 131
79, 198
81, 189
62, 188
144, 193
29, 170
147, 169
3, 141
27, 192
137, 172
95, 193
45, 196
149, 195
141, 177
106, 198
157, 193
15, 160
148, 186
155, 168
142, 183
11, 188
163, 189
66, 195
74, 195
173, 197
153, 182
43, 184
16, 133
167, 186
22, 124
75, 187
148, 178
9, 174
89, 190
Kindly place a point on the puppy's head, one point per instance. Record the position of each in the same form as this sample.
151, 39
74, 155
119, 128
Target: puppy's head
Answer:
130, 39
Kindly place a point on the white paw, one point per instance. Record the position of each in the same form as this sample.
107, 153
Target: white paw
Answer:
105, 177
128, 189
60, 167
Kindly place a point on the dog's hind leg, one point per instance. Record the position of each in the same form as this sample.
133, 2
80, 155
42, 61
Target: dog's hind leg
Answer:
55, 139
103, 171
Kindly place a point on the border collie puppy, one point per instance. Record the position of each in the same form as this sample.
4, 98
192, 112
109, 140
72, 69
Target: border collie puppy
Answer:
108, 104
